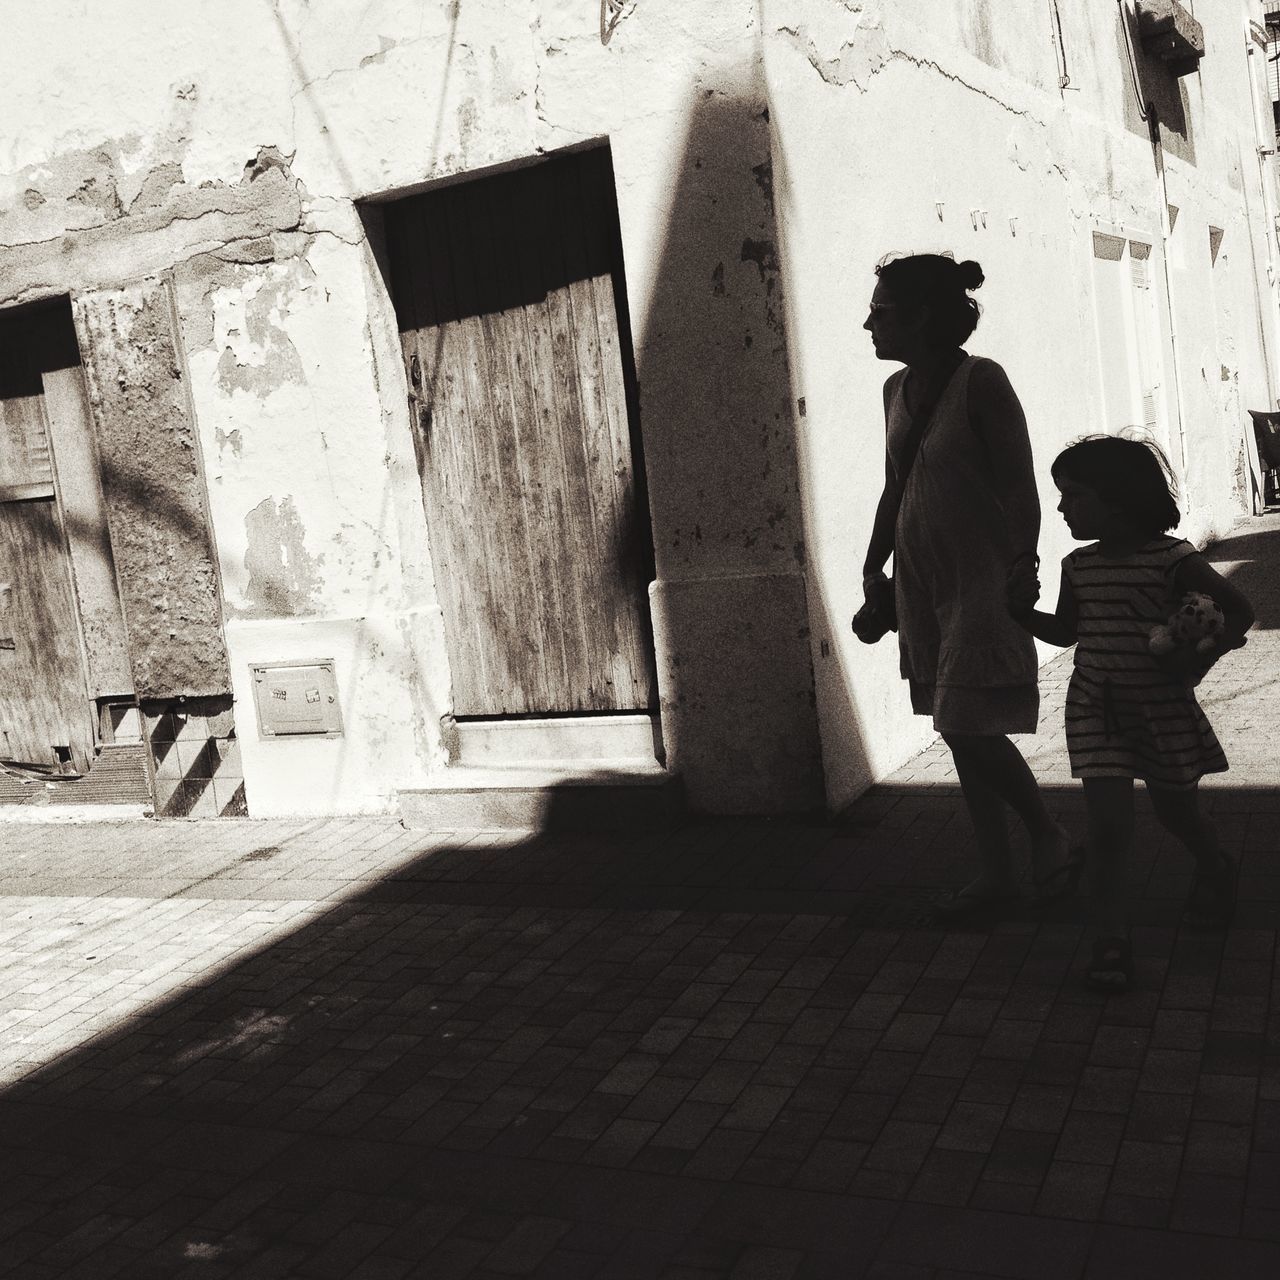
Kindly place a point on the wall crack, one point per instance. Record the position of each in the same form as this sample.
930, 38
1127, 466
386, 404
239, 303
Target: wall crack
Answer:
873, 54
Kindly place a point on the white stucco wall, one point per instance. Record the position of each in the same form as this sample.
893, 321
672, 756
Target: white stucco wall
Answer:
172, 140
766, 154
901, 130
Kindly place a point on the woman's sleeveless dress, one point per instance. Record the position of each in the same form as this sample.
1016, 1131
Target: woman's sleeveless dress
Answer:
1126, 716
970, 666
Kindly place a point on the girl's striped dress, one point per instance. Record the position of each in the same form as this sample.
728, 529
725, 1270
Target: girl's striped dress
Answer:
1126, 716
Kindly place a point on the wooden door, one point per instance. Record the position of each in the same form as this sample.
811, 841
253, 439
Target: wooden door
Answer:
45, 712
508, 293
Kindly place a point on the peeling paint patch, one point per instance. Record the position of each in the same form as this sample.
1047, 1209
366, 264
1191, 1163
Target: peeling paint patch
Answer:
867, 52
99, 193
763, 174
268, 158
156, 187
385, 45
259, 249
859, 57
71, 232
283, 578
258, 355
229, 438
764, 254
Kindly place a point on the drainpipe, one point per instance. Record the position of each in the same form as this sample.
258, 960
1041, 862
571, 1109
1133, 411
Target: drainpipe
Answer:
1265, 149
1166, 231
1264, 299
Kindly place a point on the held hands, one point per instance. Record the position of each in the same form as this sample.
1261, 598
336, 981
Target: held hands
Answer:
1022, 587
878, 593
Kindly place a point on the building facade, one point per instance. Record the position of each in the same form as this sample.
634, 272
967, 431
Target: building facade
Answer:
406, 401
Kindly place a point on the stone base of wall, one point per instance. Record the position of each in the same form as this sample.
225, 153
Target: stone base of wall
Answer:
196, 756
735, 676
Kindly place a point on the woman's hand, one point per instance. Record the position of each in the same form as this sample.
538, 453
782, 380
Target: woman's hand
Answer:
1022, 587
876, 616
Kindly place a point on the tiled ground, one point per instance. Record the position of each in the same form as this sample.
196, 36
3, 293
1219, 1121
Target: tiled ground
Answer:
340, 1049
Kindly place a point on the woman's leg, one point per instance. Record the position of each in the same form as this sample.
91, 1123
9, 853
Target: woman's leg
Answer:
990, 824
1110, 805
998, 769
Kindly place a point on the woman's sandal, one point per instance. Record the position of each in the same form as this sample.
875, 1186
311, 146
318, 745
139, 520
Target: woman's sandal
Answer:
1213, 897
1110, 967
1062, 882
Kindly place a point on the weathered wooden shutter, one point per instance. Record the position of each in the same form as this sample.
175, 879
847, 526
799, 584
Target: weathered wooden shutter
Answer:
45, 715
505, 291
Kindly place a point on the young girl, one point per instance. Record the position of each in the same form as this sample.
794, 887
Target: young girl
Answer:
1130, 714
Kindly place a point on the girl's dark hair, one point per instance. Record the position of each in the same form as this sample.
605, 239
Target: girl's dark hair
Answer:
940, 283
1131, 474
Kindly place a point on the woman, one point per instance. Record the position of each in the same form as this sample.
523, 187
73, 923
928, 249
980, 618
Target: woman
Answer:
960, 514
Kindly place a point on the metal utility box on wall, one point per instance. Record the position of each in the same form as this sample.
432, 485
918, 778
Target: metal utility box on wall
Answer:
295, 698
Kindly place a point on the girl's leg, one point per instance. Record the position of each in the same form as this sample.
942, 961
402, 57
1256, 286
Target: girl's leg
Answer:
1110, 805
1179, 812
998, 768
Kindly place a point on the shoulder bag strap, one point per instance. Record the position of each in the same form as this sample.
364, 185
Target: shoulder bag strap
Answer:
921, 419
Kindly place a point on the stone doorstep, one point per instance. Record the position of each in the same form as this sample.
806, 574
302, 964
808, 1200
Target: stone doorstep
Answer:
610, 795
632, 740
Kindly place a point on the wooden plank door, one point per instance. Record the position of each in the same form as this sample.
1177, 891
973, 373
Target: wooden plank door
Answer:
45, 712
507, 291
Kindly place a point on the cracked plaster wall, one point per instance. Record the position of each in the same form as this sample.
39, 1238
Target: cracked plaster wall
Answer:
156, 162
314, 495
893, 135
228, 144
164, 162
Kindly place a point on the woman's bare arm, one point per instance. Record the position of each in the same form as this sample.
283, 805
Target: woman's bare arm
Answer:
880, 546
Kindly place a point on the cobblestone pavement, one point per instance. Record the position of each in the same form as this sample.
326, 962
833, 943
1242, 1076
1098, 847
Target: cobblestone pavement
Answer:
342, 1049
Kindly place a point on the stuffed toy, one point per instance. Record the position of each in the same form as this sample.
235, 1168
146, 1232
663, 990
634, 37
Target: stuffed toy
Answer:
1197, 625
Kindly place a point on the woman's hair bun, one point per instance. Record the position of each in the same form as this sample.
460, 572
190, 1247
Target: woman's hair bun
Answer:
970, 274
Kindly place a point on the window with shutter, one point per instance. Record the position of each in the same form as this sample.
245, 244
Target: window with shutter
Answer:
1127, 330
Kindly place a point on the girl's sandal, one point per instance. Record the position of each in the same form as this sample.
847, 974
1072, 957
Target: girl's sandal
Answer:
1213, 897
1110, 967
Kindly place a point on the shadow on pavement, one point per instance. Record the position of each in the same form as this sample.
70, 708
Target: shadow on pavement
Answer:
1251, 559
674, 1053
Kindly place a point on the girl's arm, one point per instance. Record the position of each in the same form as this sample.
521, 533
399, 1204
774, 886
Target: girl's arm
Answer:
998, 420
1058, 627
1195, 573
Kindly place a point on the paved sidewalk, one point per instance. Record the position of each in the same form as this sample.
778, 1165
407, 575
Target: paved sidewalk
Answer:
342, 1049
